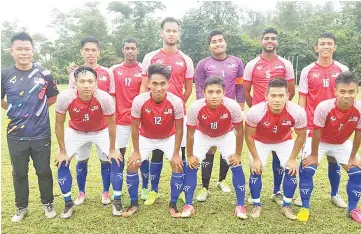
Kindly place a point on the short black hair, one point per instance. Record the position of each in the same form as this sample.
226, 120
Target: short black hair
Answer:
158, 69
347, 77
89, 39
84, 69
169, 20
130, 40
214, 33
326, 35
269, 30
214, 80
23, 36
277, 83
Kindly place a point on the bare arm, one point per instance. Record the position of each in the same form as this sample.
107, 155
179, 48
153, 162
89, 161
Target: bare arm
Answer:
144, 85
135, 134
178, 135
291, 88
239, 138
188, 87
4, 104
356, 144
300, 140
249, 131
110, 120
190, 141
247, 93
316, 137
59, 131
50, 101
302, 100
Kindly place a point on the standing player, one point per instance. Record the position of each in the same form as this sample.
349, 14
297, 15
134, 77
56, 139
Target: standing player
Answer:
180, 84
258, 73
268, 129
90, 51
317, 83
92, 120
211, 122
157, 124
127, 81
335, 120
29, 91
230, 68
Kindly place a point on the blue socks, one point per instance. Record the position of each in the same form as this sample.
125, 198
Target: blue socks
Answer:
306, 184
144, 171
289, 188
65, 181
133, 183
116, 177
105, 171
277, 173
334, 175
176, 186
255, 185
81, 173
155, 171
353, 187
239, 184
190, 184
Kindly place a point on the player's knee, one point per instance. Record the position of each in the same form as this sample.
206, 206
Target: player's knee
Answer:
132, 168
354, 174
104, 162
85, 161
18, 175
308, 172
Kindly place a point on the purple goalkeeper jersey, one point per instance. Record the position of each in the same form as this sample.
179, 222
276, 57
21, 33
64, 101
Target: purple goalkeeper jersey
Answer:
230, 69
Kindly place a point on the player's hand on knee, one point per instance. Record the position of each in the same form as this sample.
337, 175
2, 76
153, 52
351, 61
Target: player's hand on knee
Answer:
234, 160
60, 158
113, 154
177, 163
193, 162
353, 162
292, 167
256, 166
310, 160
135, 159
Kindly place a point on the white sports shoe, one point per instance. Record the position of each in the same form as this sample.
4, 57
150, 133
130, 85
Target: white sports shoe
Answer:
338, 201
298, 201
250, 201
105, 198
20, 214
49, 210
223, 186
117, 208
203, 195
80, 199
68, 211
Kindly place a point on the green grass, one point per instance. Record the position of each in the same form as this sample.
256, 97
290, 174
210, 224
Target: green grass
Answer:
214, 216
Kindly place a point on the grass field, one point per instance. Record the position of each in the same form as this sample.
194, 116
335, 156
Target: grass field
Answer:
214, 216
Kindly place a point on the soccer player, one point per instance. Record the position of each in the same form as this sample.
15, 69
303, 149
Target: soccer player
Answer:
157, 123
215, 121
90, 51
182, 72
29, 91
258, 72
230, 68
317, 83
268, 128
335, 120
92, 120
127, 81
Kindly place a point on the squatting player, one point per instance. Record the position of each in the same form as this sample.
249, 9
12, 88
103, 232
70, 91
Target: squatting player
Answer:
92, 120
157, 123
215, 121
268, 128
335, 120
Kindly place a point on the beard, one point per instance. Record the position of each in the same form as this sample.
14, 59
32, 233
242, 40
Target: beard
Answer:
269, 50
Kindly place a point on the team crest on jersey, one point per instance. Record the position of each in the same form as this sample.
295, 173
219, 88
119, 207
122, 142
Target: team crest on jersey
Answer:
39, 80
286, 122
159, 61
147, 110
353, 119
231, 65
94, 108
204, 117
137, 74
335, 74
13, 80
316, 75
102, 78
266, 124
279, 67
259, 67
120, 73
76, 110
333, 118
168, 111
224, 116
212, 67
179, 63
